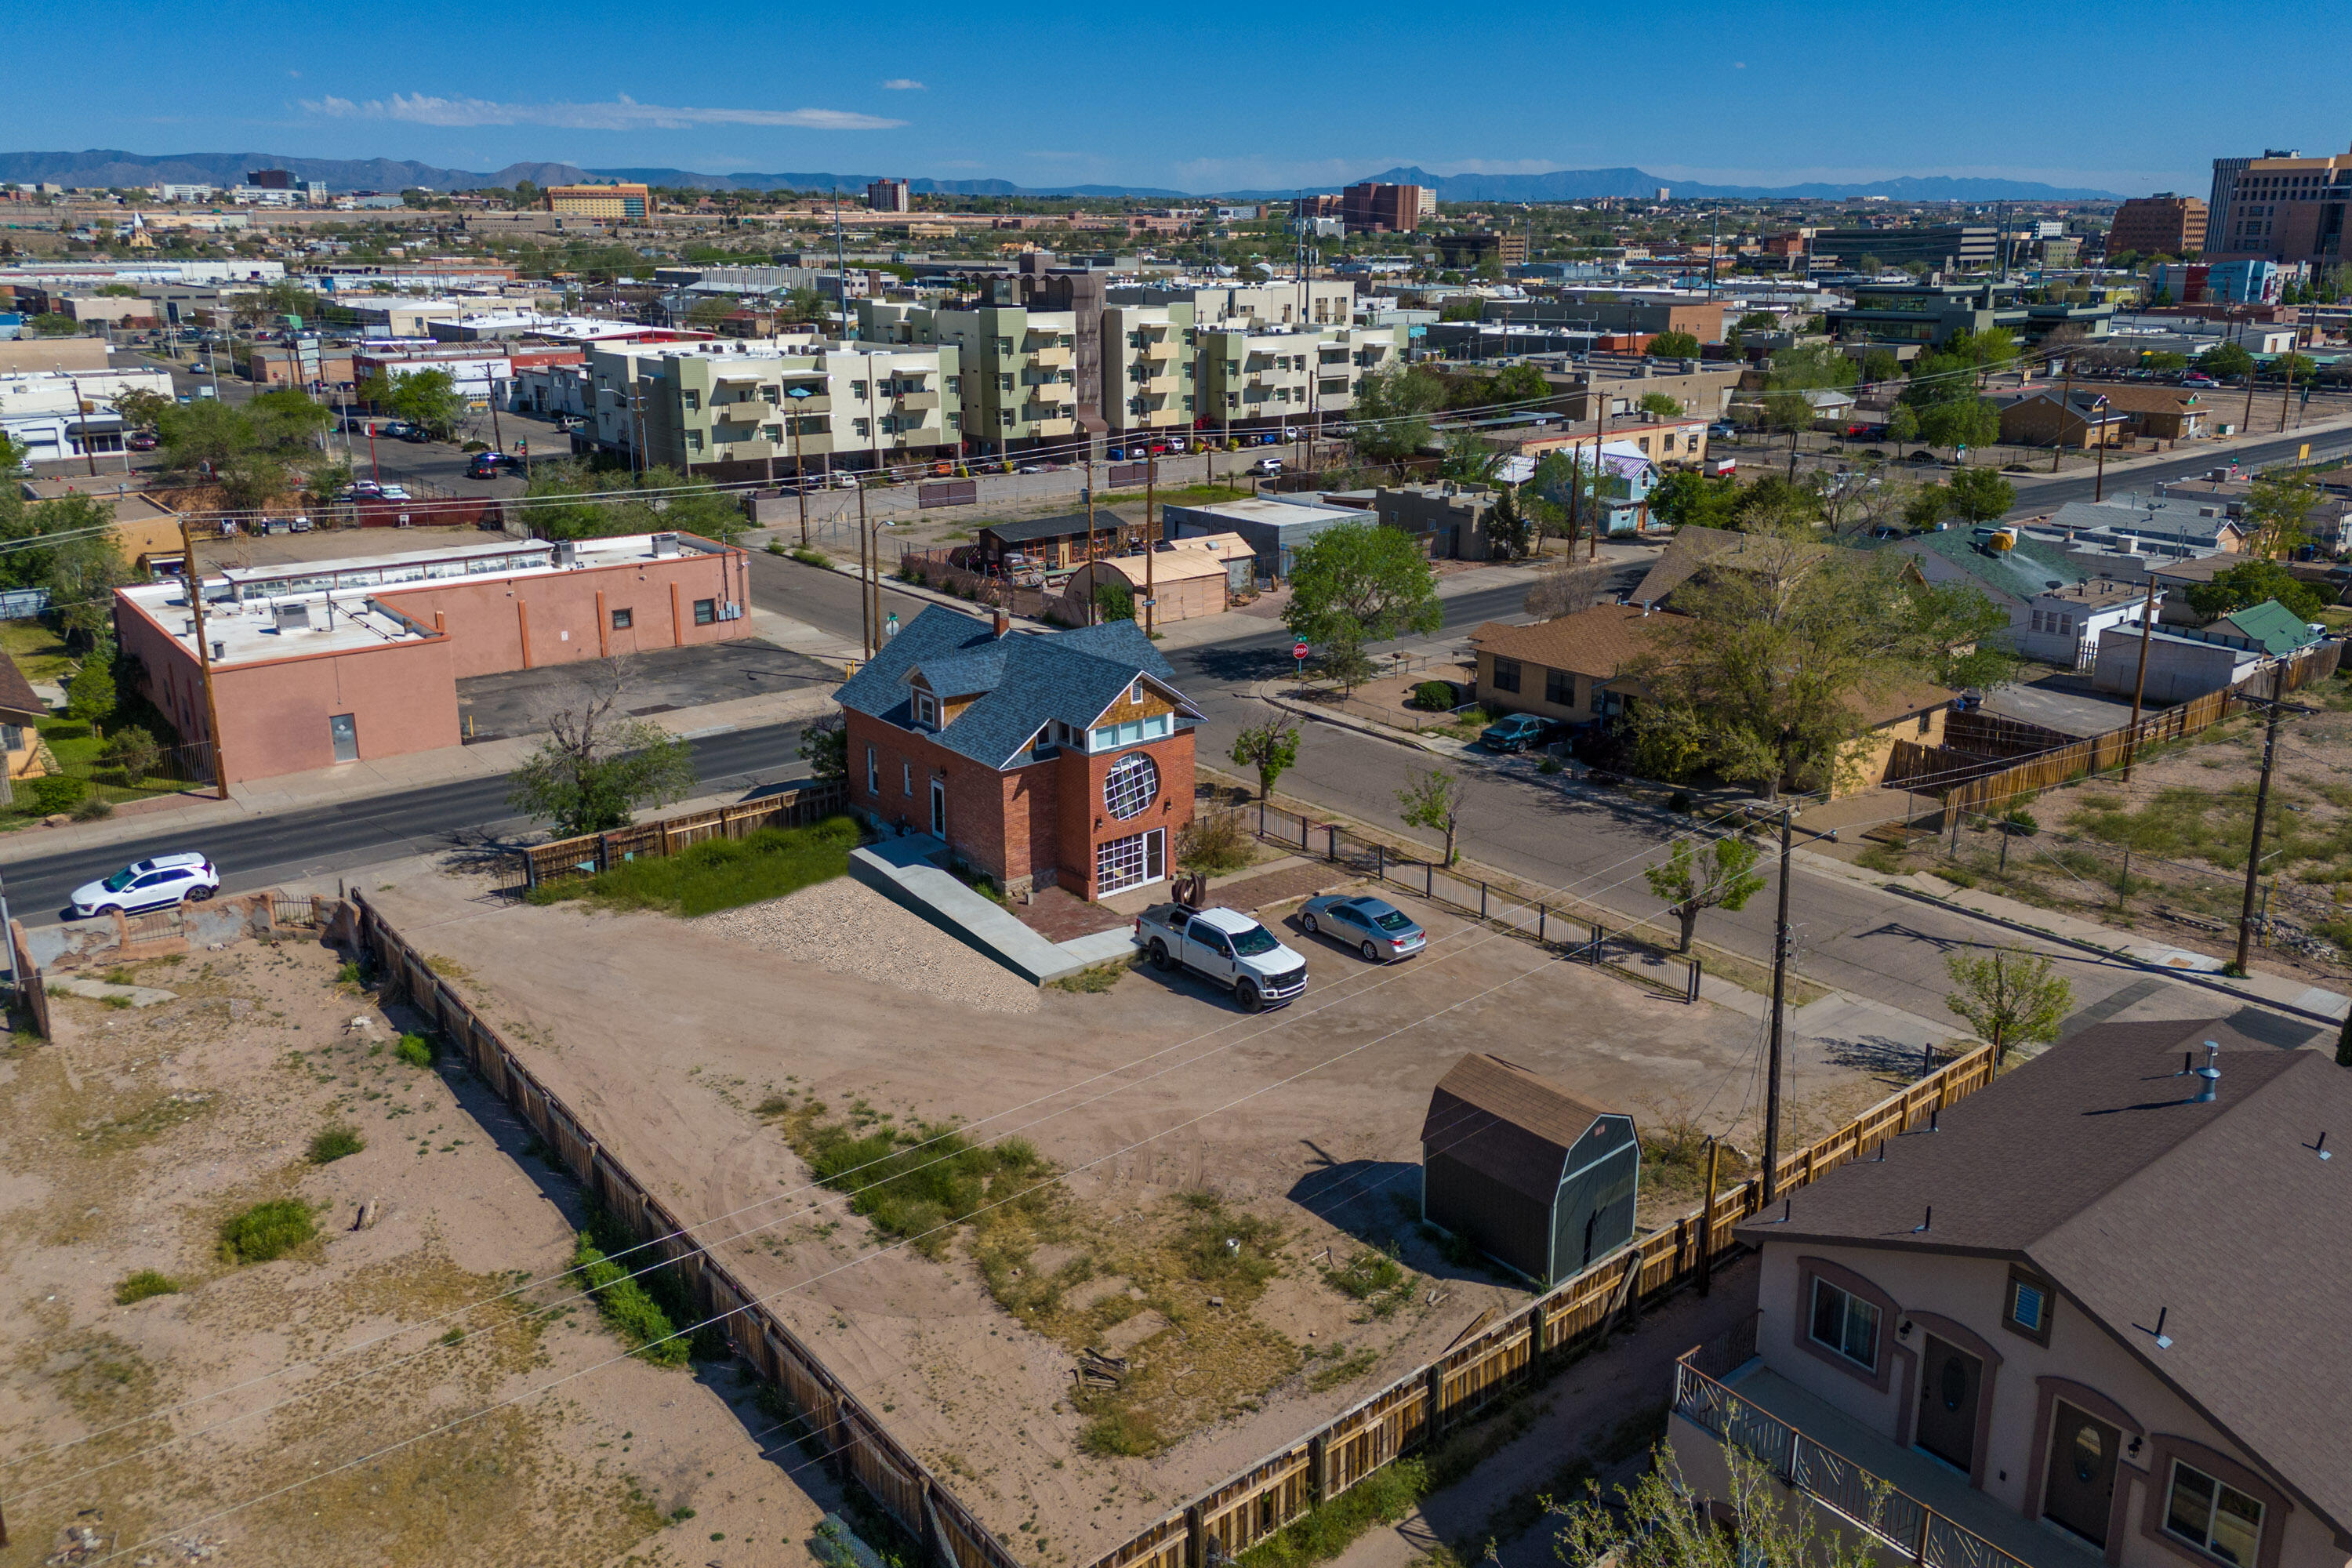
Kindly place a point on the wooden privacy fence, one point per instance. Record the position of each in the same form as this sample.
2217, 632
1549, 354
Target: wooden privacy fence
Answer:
1968, 781
850, 1435
1412, 1412
594, 852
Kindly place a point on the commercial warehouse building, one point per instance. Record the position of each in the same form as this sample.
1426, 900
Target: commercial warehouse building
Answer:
320, 662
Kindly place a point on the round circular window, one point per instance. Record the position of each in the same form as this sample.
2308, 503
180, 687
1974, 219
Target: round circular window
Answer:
1132, 783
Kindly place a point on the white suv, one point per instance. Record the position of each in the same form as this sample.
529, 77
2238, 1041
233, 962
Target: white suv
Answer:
156, 884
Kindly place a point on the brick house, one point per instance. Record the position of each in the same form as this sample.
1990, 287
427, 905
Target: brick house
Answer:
2096, 1317
1060, 758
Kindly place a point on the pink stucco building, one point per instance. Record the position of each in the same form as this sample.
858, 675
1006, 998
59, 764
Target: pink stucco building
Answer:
331, 661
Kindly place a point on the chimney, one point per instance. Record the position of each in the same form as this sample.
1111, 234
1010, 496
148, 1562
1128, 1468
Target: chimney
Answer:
1003, 623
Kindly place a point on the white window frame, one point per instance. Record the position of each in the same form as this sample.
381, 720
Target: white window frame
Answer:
907, 777
1853, 1304
2212, 1513
872, 773
927, 709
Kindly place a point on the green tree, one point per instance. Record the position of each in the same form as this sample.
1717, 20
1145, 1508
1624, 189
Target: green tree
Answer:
1673, 345
2162, 360
13, 455
2250, 583
824, 747
1970, 422
1766, 678
1114, 601
1270, 748
53, 324
1687, 499
1902, 425
2278, 514
1658, 405
1390, 418
1344, 659
1980, 495
1364, 579
1434, 800
2011, 996
428, 398
91, 694
1758, 321
1724, 877
2228, 361
1879, 364
1509, 530
597, 766
134, 754
1518, 384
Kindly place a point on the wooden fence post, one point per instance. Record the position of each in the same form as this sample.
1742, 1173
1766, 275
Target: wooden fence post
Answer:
1318, 1478
1196, 1539
1435, 1381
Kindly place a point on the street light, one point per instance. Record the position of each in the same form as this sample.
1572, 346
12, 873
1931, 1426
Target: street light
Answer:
800, 474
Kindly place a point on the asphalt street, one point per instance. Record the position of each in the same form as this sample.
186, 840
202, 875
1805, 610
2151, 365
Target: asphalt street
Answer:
457, 819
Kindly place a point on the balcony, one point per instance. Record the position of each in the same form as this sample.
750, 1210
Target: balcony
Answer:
1054, 392
918, 400
748, 411
1158, 345
1054, 355
1912, 1509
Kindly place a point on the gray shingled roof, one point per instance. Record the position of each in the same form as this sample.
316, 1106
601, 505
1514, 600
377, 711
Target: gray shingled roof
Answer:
1026, 679
2093, 1165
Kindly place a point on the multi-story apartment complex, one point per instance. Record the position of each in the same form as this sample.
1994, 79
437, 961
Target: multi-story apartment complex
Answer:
1317, 302
887, 196
745, 410
614, 201
2281, 206
1371, 208
2161, 225
1020, 372
1252, 376
1149, 368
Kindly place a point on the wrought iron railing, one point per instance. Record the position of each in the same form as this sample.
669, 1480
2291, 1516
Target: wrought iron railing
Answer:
1836, 1482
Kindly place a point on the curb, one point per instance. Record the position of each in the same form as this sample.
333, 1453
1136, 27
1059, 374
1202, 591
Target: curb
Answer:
2188, 976
1357, 726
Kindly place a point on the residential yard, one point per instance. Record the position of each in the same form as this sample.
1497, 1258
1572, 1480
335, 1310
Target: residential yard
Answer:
955, 1194
205, 1343
2164, 856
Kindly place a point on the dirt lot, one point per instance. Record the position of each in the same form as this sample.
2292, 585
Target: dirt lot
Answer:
1230, 1181
224, 1407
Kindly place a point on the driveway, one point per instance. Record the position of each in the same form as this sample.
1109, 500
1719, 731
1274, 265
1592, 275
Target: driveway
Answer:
516, 702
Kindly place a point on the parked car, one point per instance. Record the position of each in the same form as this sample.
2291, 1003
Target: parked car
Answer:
1266, 466
141, 441
2197, 378
1373, 927
1723, 429
397, 428
159, 883
415, 433
1517, 733
1225, 946
490, 465
199, 368
1031, 468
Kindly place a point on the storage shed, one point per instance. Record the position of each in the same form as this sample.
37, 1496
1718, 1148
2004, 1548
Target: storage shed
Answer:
1524, 1170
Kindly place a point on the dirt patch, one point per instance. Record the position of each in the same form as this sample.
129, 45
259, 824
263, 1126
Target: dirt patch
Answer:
1177, 1124
371, 1392
848, 928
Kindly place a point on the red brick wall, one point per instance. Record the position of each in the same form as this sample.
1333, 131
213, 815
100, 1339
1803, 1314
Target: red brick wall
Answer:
1025, 822
486, 619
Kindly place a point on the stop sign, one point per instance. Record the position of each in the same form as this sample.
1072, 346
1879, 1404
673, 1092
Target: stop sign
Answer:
1298, 650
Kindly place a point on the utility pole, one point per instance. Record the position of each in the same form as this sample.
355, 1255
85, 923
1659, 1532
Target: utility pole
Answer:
865, 618
2139, 682
869, 590
2099, 492
2261, 805
1150, 535
1091, 584
1779, 990
195, 582
2066, 406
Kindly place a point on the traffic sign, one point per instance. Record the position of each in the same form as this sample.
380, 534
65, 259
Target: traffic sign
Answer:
1298, 650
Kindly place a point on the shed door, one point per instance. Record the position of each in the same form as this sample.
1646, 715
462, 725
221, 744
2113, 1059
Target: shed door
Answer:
343, 728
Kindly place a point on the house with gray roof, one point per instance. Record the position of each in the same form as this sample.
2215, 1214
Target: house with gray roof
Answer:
1041, 759
2093, 1313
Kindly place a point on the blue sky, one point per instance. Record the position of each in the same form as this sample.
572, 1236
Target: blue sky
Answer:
1222, 98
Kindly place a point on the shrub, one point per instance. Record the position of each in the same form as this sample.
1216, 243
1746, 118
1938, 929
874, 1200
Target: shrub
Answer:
145, 1283
416, 1050
57, 792
810, 557
1551, 765
267, 1230
334, 1143
1215, 843
1681, 801
132, 752
2021, 821
93, 809
1435, 696
776, 547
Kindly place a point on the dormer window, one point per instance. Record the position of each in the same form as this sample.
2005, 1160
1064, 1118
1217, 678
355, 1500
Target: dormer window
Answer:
927, 709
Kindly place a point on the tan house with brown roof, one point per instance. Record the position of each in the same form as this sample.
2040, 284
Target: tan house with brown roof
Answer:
1575, 669
20, 710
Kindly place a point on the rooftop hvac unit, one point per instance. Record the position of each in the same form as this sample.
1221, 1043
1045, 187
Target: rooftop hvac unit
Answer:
291, 617
665, 545
567, 552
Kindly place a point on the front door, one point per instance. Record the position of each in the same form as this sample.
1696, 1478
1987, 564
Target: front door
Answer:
939, 808
1950, 1380
344, 729
2081, 1482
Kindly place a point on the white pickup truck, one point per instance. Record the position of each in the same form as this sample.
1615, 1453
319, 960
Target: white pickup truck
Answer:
1226, 946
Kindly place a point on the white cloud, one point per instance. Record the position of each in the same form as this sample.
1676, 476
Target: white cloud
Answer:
903, 84
624, 114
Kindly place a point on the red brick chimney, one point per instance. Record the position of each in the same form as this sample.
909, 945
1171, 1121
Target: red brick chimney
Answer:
1003, 623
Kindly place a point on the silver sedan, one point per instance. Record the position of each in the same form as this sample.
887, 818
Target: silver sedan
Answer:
1373, 927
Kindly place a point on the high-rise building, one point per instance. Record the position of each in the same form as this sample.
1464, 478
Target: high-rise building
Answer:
887, 196
269, 179
2161, 225
1386, 209
614, 201
2281, 206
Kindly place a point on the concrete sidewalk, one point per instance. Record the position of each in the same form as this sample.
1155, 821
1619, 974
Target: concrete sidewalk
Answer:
364, 779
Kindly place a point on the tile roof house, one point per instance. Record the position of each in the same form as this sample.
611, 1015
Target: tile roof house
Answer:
1060, 758
2099, 1313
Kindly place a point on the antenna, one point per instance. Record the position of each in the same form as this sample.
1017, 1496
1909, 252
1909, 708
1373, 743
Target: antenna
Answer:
2163, 1340
1923, 1224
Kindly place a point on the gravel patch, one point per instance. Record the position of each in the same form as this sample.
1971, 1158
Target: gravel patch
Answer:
847, 927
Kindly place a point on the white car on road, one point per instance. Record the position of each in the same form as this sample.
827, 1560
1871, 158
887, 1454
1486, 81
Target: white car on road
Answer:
156, 884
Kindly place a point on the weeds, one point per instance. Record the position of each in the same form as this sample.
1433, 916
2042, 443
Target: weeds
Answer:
1384, 1497
1346, 1369
1215, 844
145, 1283
628, 1307
916, 1193
337, 1143
1095, 979
267, 1231
416, 1050
717, 874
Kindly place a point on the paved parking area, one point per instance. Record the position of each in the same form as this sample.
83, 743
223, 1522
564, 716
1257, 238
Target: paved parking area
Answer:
516, 702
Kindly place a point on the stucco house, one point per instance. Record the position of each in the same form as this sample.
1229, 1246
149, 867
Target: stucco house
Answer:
1057, 758
2094, 1312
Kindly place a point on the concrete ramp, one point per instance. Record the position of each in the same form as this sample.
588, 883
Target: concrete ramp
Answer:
910, 872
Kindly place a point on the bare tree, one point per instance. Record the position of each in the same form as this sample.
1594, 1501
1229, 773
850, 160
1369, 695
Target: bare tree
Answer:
598, 764
1565, 587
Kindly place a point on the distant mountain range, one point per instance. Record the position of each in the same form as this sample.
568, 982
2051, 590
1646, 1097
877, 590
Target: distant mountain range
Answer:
111, 166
